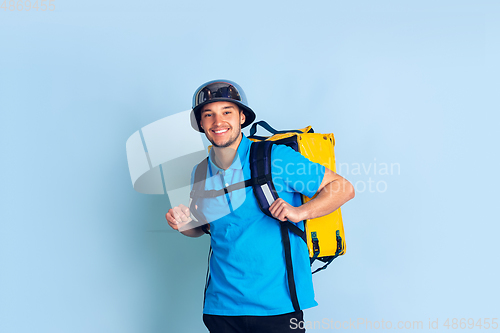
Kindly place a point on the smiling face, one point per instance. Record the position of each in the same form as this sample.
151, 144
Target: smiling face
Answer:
222, 122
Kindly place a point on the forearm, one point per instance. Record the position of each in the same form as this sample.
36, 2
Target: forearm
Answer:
191, 231
179, 218
329, 199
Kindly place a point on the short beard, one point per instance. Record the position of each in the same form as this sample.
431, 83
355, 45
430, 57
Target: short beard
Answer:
228, 143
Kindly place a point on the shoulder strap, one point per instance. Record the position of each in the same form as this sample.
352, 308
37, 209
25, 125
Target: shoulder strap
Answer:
202, 193
260, 169
265, 193
198, 191
262, 181
200, 176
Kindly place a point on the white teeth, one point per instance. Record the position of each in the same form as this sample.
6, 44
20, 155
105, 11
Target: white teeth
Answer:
221, 131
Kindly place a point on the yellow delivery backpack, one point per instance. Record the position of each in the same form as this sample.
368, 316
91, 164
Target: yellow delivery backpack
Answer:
324, 235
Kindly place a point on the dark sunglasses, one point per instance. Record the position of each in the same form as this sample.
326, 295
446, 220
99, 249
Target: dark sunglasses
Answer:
217, 90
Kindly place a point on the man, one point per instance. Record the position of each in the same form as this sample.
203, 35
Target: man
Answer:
247, 290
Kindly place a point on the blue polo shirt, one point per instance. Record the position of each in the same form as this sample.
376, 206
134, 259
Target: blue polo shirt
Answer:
247, 267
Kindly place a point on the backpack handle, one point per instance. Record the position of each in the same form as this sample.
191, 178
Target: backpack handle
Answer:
267, 127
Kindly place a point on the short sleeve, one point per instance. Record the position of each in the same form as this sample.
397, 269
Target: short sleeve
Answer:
293, 172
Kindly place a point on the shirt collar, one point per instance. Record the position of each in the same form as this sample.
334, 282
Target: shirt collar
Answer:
239, 158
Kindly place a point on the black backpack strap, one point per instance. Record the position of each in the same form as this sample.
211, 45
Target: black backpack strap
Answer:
316, 249
198, 191
296, 230
202, 193
328, 260
260, 168
263, 186
265, 193
271, 130
285, 238
200, 176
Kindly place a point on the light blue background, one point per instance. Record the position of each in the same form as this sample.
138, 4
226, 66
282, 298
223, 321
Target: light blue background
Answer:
407, 82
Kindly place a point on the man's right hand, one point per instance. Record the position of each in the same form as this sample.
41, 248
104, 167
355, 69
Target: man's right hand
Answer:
178, 217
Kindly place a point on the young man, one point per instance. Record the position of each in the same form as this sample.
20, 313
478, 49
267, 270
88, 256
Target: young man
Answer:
247, 290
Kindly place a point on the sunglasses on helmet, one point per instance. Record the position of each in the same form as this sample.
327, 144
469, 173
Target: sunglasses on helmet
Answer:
215, 91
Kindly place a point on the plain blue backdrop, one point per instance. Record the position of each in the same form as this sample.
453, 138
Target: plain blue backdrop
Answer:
412, 84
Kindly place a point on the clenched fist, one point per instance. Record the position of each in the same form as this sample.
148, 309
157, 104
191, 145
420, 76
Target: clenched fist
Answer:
178, 217
283, 211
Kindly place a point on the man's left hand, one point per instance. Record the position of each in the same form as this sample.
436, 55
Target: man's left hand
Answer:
283, 211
